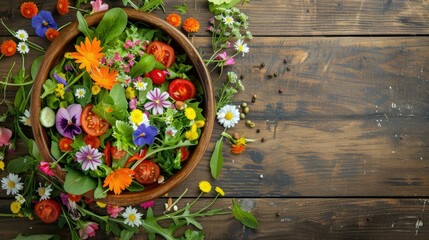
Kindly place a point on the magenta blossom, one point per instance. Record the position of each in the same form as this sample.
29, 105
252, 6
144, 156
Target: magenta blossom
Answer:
88, 230
158, 101
133, 103
148, 204
5, 135
45, 168
98, 6
113, 211
227, 60
68, 120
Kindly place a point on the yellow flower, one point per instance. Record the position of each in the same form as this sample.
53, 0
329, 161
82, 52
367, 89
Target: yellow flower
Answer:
130, 93
88, 54
220, 191
95, 89
136, 116
241, 141
1, 165
191, 135
199, 123
68, 55
100, 204
59, 91
205, 186
15, 207
190, 113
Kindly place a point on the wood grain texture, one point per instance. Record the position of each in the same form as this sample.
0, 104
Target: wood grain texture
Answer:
288, 219
286, 17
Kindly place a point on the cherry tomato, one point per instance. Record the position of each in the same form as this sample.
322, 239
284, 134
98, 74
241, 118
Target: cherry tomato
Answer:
163, 53
74, 198
157, 76
181, 89
91, 123
117, 154
47, 210
184, 153
106, 152
147, 172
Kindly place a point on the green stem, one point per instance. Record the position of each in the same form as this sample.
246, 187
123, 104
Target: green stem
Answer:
8, 215
63, 26
16, 84
74, 80
80, 9
210, 204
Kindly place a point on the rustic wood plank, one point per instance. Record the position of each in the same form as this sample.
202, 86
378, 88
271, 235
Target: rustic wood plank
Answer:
287, 219
287, 17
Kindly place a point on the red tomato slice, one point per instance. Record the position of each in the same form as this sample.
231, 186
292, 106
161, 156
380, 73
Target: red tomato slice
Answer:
184, 154
157, 76
147, 172
117, 154
106, 153
91, 123
74, 198
47, 210
163, 53
181, 89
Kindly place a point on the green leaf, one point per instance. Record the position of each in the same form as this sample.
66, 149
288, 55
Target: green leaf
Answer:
19, 99
151, 5
112, 25
246, 218
55, 150
99, 191
135, 187
37, 237
145, 65
77, 183
35, 66
126, 234
22, 164
34, 151
216, 161
83, 26
123, 133
48, 87
193, 235
182, 8
118, 95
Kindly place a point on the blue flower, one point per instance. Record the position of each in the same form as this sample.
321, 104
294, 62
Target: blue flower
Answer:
144, 135
42, 21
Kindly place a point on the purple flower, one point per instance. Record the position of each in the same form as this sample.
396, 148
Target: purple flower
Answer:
89, 157
158, 101
60, 79
144, 135
68, 120
71, 206
42, 21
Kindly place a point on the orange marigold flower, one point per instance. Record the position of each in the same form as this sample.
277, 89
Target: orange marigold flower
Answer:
51, 34
174, 19
104, 77
8, 48
237, 148
28, 9
63, 7
65, 144
119, 180
191, 25
94, 142
88, 54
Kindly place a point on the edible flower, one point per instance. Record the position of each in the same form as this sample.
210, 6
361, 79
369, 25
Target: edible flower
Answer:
98, 6
88, 54
63, 7
118, 180
42, 22
68, 120
104, 77
8, 48
158, 101
89, 157
45, 168
28, 9
144, 135
228, 116
191, 25
5, 135
88, 230
51, 34
174, 19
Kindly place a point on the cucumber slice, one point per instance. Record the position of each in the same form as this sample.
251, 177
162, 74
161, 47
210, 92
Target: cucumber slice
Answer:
47, 117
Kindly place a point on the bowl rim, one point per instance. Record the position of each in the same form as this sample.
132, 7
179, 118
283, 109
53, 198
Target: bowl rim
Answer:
57, 47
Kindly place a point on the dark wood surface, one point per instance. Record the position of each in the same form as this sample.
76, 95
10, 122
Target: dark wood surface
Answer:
345, 152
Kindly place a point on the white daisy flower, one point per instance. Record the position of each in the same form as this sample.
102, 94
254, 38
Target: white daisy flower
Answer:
241, 47
228, 20
23, 48
19, 198
141, 86
170, 130
22, 35
228, 116
26, 118
44, 192
132, 217
80, 93
12, 184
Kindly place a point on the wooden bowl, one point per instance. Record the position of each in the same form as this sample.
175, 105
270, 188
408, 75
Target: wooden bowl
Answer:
55, 53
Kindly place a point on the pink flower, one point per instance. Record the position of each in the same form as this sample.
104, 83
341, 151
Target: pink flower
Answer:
88, 230
5, 135
133, 103
228, 60
114, 211
157, 101
147, 205
98, 6
45, 168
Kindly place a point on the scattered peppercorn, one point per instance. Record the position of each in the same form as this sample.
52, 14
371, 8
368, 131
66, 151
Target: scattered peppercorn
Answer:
285, 61
288, 69
269, 76
242, 116
281, 91
262, 139
262, 65
253, 98
241, 77
243, 104
258, 130
246, 110
274, 74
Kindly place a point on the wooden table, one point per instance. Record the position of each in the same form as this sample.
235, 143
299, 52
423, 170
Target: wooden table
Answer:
342, 152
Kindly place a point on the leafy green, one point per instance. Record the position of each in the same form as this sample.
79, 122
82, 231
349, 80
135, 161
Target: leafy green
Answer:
244, 217
21, 164
123, 133
193, 235
216, 160
118, 95
78, 183
48, 87
55, 150
37, 237
112, 25
99, 191
83, 26
135, 187
19, 102
182, 8
34, 151
145, 65
35, 66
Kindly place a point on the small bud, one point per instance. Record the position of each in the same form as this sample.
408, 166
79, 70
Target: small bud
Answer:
179, 105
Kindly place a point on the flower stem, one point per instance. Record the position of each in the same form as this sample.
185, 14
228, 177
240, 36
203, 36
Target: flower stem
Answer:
74, 80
